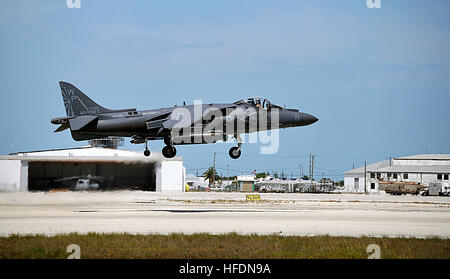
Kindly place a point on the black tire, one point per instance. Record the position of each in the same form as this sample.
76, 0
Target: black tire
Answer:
169, 151
147, 152
235, 152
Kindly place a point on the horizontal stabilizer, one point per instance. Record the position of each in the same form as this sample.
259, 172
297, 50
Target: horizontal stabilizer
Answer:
78, 136
62, 128
80, 122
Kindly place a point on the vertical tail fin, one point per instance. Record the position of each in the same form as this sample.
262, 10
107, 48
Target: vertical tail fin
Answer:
77, 103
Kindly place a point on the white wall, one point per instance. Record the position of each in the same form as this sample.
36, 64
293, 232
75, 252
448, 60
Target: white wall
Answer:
23, 177
170, 176
13, 175
349, 183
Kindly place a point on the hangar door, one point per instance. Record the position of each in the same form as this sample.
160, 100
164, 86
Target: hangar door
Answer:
43, 176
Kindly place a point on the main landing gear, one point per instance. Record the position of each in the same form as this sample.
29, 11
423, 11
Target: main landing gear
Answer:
169, 151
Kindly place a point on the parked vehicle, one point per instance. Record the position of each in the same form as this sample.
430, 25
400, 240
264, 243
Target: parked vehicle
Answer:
399, 187
437, 189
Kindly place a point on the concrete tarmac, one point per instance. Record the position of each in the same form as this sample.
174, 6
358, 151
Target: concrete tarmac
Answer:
163, 213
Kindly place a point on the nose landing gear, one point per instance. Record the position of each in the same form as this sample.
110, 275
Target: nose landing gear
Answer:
235, 152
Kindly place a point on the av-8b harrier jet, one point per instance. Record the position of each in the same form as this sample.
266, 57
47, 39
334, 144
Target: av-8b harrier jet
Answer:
187, 124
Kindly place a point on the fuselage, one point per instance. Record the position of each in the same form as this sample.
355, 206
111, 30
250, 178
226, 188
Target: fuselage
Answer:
188, 124
247, 119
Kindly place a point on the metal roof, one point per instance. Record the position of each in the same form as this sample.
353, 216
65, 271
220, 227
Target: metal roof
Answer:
87, 154
371, 167
382, 166
414, 169
426, 157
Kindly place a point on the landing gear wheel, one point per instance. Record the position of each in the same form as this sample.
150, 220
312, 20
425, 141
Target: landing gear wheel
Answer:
169, 151
146, 152
235, 152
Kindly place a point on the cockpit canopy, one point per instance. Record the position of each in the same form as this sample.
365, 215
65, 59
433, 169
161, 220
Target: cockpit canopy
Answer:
258, 102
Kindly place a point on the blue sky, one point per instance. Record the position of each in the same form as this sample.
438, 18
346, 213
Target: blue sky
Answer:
378, 79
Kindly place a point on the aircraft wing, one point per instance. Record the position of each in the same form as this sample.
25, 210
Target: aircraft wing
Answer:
209, 115
156, 121
164, 120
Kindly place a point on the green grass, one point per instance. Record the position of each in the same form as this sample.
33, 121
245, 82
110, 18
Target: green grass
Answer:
225, 246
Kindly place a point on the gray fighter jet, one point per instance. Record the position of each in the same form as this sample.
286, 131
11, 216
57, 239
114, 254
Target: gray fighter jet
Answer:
186, 124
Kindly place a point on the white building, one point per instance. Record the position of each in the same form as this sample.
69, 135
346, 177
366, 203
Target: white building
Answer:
423, 169
246, 183
196, 182
354, 180
119, 169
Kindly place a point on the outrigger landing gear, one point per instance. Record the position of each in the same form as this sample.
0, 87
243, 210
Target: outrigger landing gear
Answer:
146, 152
235, 152
138, 140
169, 151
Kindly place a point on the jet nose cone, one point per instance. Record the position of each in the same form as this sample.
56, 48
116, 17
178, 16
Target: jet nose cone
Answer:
307, 119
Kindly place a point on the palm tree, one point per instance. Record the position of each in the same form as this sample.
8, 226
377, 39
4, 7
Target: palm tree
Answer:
208, 174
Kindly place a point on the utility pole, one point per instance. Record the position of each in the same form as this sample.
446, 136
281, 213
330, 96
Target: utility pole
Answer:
228, 178
214, 170
309, 173
365, 177
312, 167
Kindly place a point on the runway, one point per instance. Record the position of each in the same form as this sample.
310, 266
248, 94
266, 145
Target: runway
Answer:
217, 213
